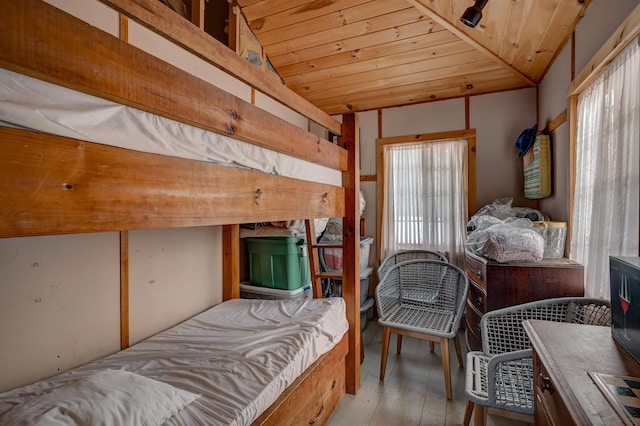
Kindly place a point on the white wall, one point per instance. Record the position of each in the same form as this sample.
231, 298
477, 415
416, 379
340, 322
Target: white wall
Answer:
423, 118
59, 304
499, 119
173, 274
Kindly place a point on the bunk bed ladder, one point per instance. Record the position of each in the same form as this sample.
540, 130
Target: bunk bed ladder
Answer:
314, 265
314, 259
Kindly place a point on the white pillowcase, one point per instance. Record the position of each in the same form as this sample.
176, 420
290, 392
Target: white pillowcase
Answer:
109, 397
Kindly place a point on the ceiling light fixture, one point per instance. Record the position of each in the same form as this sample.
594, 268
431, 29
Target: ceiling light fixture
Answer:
473, 14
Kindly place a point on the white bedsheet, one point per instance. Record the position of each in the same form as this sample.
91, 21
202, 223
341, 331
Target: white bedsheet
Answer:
34, 104
240, 355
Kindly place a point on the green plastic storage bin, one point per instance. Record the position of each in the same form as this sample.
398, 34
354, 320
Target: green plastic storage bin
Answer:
278, 262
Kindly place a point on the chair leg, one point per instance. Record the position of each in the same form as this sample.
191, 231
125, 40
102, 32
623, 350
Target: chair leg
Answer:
479, 415
468, 411
456, 342
446, 366
361, 347
386, 334
398, 343
432, 345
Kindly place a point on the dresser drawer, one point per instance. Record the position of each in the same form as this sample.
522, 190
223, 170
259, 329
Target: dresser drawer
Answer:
473, 327
549, 406
476, 270
477, 298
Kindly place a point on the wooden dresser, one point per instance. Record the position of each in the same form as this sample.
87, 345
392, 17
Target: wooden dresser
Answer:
497, 285
563, 356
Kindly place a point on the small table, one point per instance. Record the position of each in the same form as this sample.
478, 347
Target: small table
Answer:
563, 356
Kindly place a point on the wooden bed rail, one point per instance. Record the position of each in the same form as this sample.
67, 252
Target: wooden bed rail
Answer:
55, 185
169, 24
44, 42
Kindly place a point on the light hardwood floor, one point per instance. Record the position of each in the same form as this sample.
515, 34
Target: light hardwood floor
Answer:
413, 390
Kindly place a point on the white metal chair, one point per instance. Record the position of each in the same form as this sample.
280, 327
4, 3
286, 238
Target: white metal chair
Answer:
423, 299
404, 255
501, 375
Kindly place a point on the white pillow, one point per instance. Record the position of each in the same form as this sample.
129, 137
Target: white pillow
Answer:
110, 397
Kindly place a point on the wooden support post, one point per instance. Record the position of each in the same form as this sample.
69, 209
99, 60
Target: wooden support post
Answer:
124, 289
351, 248
197, 13
231, 262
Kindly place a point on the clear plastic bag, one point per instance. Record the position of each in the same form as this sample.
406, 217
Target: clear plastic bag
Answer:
500, 232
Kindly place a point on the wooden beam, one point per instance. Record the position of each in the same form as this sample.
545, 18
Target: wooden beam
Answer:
471, 178
41, 41
457, 134
379, 188
573, 138
55, 185
123, 23
234, 28
556, 122
467, 115
627, 32
423, 6
231, 262
351, 249
162, 20
368, 178
124, 289
197, 13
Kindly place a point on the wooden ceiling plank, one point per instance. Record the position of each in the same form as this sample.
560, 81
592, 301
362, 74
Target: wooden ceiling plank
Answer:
557, 35
425, 71
301, 16
245, 3
531, 32
422, 88
492, 30
433, 56
429, 91
336, 35
333, 21
256, 9
435, 41
441, 81
513, 30
416, 93
422, 6
400, 32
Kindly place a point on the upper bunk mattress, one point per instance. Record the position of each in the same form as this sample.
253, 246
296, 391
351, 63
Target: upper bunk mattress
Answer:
33, 104
239, 355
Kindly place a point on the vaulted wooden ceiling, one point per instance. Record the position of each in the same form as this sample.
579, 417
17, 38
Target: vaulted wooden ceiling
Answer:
355, 55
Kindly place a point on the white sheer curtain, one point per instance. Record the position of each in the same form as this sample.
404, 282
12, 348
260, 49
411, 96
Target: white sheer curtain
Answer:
607, 190
425, 198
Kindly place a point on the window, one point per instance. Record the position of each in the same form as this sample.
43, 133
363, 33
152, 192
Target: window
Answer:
424, 193
607, 185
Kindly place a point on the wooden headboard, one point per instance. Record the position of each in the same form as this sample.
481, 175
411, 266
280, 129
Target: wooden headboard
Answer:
57, 185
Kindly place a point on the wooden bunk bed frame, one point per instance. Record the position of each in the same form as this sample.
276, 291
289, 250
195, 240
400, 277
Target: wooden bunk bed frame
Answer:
56, 185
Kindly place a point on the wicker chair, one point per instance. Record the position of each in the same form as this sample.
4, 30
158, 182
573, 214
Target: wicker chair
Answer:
404, 255
423, 299
501, 375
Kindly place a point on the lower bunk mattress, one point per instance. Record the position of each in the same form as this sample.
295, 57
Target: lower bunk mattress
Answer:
224, 366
